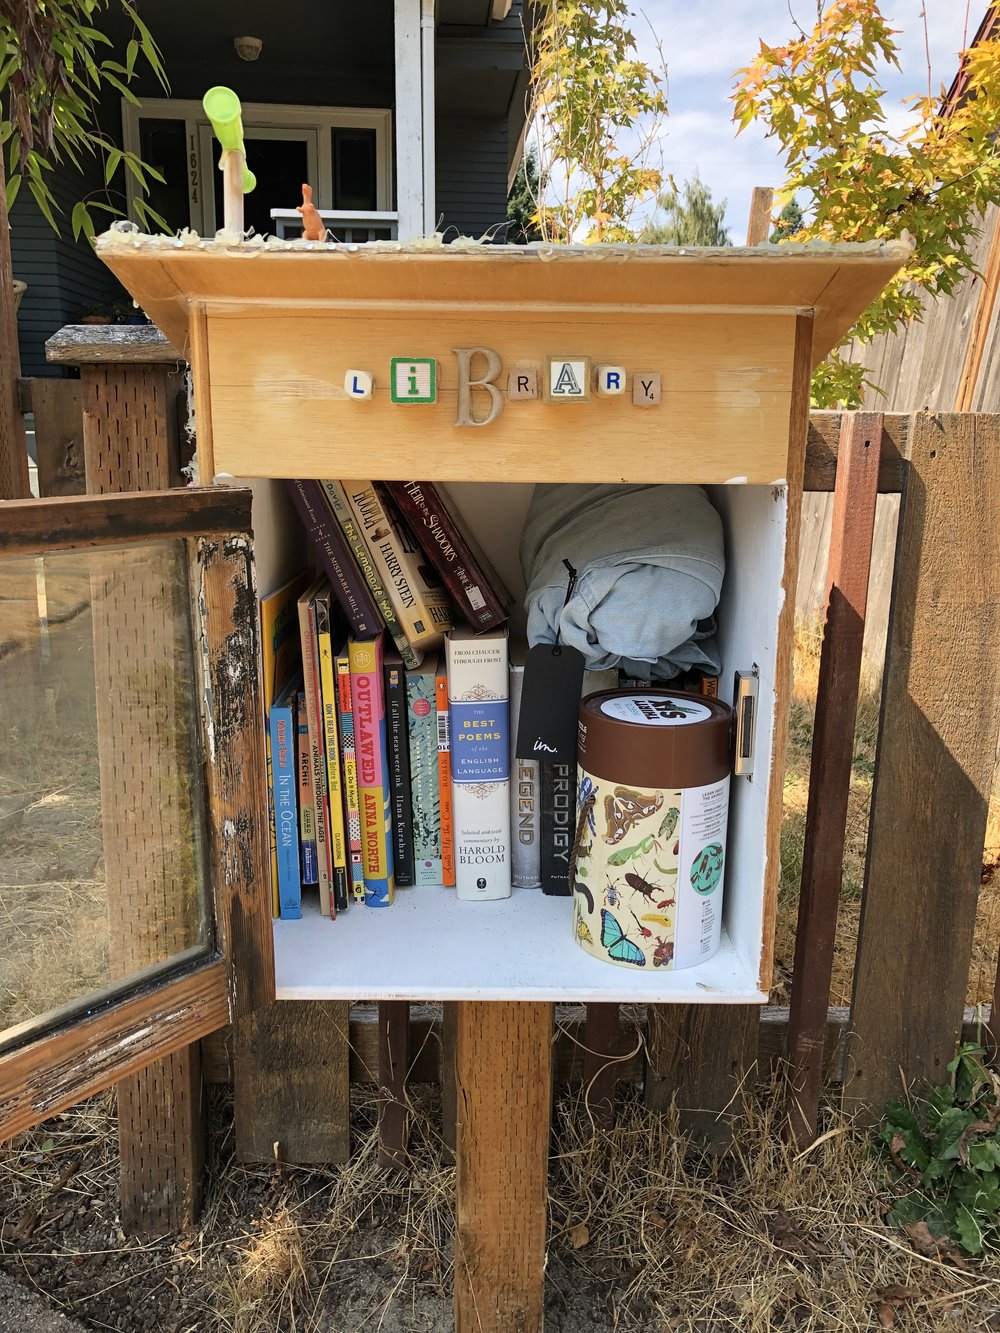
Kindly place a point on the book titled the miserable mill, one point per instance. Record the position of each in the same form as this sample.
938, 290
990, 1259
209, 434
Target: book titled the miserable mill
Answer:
480, 762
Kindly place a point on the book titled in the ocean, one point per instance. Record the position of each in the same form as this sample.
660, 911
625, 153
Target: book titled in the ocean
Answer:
478, 684
368, 698
283, 726
425, 801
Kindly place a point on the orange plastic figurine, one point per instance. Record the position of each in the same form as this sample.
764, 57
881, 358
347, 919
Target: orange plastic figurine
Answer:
312, 223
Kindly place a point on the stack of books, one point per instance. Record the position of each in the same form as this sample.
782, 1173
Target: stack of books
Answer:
387, 733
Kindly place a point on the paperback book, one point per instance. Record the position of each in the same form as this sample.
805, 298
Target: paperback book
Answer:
368, 698
421, 716
398, 754
325, 612
283, 727
352, 805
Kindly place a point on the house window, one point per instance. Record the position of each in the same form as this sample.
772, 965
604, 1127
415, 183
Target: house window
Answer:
345, 153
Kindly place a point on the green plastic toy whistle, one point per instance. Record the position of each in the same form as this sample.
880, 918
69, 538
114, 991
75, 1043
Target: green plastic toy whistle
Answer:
223, 109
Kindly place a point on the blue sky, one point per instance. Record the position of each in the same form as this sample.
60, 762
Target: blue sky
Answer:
705, 41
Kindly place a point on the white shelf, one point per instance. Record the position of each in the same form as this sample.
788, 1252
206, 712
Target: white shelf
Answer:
430, 946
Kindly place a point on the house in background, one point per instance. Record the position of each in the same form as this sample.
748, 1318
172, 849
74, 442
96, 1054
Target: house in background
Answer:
406, 116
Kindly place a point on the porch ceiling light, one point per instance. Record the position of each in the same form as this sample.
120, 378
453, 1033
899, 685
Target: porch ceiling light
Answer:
248, 48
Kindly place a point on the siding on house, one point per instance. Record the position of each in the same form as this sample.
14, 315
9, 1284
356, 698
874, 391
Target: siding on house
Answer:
472, 175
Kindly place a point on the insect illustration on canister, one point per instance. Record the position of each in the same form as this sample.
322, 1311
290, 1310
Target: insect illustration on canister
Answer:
618, 945
611, 893
663, 953
644, 931
668, 823
643, 886
583, 931
624, 808
706, 868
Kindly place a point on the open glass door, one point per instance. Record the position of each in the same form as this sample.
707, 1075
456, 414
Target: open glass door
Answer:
133, 835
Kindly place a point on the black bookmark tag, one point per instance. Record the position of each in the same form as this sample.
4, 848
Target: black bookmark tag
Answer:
550, 703
550, 698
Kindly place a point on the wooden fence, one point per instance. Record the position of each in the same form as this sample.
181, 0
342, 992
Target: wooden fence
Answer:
292, 1064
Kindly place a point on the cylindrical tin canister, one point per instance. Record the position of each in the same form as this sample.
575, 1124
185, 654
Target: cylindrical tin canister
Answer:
652, 806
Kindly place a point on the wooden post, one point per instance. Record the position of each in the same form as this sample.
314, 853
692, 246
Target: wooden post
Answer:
393, 1066
602, 1042
130, 444
13, 448
832, 755
936, 753
759, 222
449, 1034
504, 1083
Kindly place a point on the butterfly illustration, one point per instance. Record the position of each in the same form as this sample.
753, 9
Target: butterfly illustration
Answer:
614, 939
624, 808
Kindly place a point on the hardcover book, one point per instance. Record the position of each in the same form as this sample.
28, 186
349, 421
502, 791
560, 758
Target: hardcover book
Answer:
326, 618
558, 805
333, 553
525, 844
283, 727
307, 807
425, 802
423, 610
368, 699
444, 774
398, 753
321, 805
349, 768
478, 684
476, 588
340, 507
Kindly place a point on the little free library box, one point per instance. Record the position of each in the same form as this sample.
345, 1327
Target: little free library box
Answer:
491, 368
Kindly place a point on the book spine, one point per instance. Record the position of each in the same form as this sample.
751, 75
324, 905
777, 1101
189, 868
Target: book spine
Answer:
310, 673
525, 835
352, 806
425, 804
307, 806
558, 801
444, 779
368, 699
272, 826
423, 611
478, 685
329, 706
397, 744
344, 514
334, 555
282, 725
434, 527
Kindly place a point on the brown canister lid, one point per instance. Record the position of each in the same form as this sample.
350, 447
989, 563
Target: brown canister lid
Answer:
655, 737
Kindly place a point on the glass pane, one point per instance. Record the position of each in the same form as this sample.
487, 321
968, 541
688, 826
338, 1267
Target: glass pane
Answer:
354, 175
280, 166
102, 843
162, 144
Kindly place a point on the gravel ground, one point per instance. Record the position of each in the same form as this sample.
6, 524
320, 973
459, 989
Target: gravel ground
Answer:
25, 1311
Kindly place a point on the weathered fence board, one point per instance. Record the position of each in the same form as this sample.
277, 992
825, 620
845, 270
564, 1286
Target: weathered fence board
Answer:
57, 406
832, 755
937, 745
393, 1068
290, 1083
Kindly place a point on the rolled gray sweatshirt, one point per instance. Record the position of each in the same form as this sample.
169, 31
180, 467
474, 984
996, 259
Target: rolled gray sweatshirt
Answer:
650, 561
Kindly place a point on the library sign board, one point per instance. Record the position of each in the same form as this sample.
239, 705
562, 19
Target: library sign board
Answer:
491, 364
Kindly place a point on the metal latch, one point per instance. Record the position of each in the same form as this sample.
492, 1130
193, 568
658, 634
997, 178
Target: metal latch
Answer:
745, 713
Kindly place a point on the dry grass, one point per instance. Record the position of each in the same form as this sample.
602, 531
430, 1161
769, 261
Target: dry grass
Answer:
803, 706
646, 1234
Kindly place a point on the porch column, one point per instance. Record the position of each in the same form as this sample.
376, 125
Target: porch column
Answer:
414, 139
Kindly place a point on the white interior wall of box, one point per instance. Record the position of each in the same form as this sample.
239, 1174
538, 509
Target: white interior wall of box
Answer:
430, 946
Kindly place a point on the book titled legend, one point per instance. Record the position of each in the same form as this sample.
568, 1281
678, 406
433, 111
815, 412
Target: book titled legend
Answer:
478, 684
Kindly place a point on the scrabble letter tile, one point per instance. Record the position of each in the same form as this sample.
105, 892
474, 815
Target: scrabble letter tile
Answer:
568, 379
646, 388
522, 383
610, 381
413, 379
358, 384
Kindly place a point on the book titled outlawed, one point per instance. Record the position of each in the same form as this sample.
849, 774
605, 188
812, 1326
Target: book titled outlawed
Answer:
478, 683
368, 698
